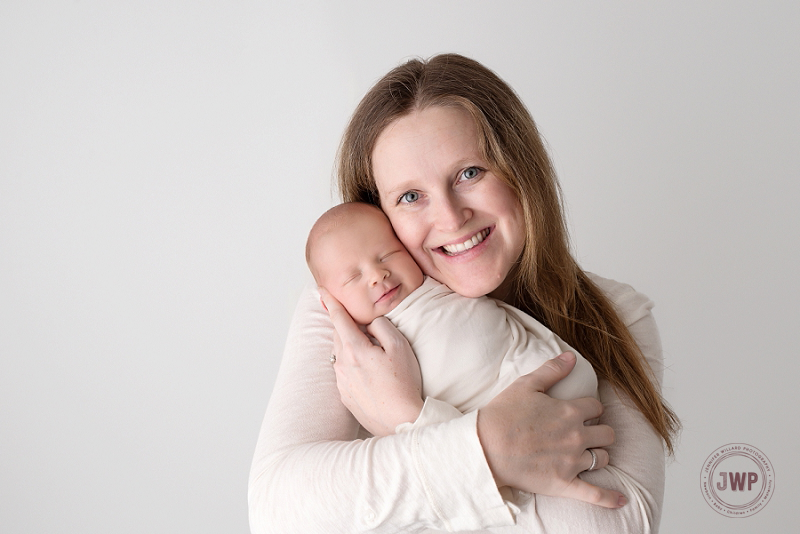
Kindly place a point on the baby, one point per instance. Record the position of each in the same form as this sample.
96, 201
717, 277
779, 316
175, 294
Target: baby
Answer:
469, 349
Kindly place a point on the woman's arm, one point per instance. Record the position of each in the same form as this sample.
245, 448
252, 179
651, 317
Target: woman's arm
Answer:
311, 474
530, 441
637, 458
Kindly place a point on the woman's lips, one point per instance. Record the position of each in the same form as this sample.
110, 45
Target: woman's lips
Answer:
455, 249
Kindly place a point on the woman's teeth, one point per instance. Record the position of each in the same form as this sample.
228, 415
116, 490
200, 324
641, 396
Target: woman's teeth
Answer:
466, 245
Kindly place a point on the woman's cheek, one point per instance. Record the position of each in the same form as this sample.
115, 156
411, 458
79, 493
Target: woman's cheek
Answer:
405, 229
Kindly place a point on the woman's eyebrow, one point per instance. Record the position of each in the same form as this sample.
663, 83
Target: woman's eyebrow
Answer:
399, 188
451, 170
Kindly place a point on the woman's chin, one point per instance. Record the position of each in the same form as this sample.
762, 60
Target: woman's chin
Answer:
472, 286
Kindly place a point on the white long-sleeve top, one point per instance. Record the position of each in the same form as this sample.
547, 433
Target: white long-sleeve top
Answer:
315, 470
471, 349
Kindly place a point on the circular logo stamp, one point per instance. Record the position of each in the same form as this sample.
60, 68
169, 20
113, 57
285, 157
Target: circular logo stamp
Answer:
737, 480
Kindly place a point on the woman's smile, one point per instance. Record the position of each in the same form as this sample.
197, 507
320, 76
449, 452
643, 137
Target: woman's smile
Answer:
462, 224
460, 247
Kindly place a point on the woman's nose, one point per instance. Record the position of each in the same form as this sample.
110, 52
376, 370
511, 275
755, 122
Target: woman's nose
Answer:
450, 215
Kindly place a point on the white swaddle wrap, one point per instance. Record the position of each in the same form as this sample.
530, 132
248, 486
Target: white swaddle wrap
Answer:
470, 349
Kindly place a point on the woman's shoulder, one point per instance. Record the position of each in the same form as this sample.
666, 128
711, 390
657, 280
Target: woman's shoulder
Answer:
629, 303
309, 298
309, 290
309, 313
634, 308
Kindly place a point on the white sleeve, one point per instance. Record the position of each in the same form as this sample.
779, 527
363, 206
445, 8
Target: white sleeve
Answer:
310, 473
637, 458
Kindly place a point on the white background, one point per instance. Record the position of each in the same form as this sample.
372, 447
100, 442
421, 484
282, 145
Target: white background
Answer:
161, 163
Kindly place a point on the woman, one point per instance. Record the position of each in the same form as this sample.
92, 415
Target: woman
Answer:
452, 156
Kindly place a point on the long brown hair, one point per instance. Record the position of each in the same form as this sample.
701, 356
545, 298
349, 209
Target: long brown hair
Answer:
547, 283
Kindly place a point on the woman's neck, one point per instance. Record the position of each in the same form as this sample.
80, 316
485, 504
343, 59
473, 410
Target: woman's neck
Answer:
503, 291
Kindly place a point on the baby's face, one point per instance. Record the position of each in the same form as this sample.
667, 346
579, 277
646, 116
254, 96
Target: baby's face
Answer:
366, 267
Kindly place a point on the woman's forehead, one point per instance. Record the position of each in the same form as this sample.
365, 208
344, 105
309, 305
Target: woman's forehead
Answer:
434, 142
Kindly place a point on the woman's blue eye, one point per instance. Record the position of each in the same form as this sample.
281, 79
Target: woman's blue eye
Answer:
470, 173
410, 196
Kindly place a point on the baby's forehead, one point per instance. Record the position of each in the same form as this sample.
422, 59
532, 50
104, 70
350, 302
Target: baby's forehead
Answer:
362, 214
355, 220
338, 238
353, 232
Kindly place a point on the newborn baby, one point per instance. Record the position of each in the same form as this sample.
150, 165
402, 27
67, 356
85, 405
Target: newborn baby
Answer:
469, 349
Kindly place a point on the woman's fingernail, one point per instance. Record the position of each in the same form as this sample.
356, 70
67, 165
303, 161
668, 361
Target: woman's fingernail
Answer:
622, 501
566, 357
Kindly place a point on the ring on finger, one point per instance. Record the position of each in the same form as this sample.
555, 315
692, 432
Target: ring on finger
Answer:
333, 358
594, 459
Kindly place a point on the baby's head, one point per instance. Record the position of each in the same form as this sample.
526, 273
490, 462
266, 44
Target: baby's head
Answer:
353, 253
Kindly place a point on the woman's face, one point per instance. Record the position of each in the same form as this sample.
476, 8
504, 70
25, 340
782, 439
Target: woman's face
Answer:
460, 222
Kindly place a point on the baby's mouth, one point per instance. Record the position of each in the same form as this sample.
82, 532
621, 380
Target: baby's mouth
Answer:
389, 293
457, 248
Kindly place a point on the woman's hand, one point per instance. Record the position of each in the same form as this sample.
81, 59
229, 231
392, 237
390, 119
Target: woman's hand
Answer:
539, 444
380, 385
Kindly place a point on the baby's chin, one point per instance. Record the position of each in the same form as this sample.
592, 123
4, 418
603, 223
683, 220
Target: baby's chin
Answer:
375, 317
362, 321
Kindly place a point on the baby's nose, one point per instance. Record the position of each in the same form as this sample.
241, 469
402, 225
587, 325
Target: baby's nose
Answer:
379, 275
